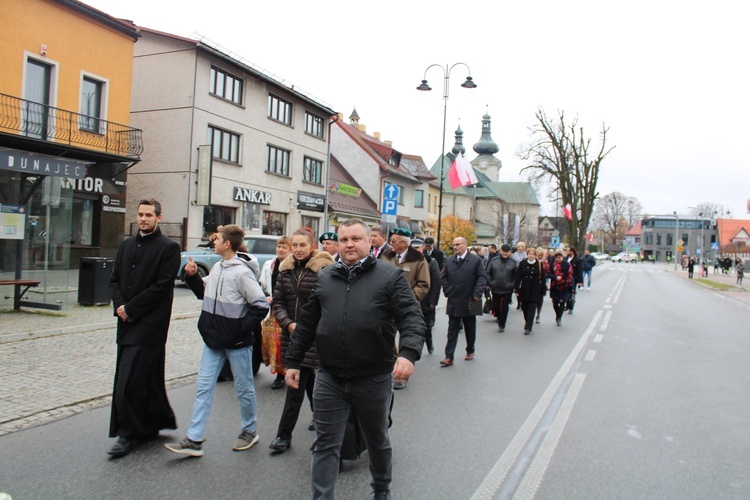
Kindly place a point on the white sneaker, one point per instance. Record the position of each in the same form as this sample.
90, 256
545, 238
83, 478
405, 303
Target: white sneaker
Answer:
588, 288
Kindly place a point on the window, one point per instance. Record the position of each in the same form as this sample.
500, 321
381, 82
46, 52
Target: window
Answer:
313, 170
658, 238
313, 124
278, 161
649, 238
225, 85
274, 223
91, 104
400, 194
214, 216
419, 198
670, 240
225, 145
279, 109
311, 222
685, 239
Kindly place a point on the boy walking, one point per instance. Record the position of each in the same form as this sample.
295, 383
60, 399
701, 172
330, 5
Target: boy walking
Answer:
233, 306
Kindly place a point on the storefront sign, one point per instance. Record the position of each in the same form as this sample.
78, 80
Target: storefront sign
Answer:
113, 203
347, 189
310, 201
34, 164
252, 196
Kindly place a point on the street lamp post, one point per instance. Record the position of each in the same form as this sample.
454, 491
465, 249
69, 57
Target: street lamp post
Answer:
468, 84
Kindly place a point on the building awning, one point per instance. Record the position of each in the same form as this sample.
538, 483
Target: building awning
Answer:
415, 227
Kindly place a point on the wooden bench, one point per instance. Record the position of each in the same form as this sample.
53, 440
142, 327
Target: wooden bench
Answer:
18, 295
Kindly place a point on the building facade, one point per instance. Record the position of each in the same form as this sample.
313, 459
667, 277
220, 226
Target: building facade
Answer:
225, 142
687, 235
65, 142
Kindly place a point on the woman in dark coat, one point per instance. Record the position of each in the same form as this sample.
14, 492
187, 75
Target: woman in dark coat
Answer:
561, 285
298, 274
529, 287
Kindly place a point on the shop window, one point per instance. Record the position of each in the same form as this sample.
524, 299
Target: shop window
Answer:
251, 216
83, 222
313, 223
214, 216
274, 223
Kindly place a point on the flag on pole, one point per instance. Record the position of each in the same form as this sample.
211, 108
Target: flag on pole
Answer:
568, 212
461, 173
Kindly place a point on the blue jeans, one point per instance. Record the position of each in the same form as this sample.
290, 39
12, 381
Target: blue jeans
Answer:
212, 362
587, 277
333, 397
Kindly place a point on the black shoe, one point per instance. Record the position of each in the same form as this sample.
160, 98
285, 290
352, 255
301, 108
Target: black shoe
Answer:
526, 332
559, 322
280, 445
122, 447
311, 427
501, 329
430, 348
382, 495
278, 383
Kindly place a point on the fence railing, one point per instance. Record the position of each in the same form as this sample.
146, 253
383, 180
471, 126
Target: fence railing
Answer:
40, 121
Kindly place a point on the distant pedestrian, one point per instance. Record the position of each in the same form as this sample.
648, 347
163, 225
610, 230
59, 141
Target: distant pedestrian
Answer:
575, 261
352, 315
691, 267
529, 287
463, 281
541, 253
430, 301
434, 252
378, 241
519, 254
142, 289
329, 242
561, 285
501, 279
740, 270
587, 266
233, 307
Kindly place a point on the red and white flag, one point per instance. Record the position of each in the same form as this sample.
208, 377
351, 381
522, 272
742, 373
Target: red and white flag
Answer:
461, 173
568, 212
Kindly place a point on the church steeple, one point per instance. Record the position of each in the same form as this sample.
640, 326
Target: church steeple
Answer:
459, 146
354, 117
486, 146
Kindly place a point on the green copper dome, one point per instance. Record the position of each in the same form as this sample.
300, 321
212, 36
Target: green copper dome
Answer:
486, 146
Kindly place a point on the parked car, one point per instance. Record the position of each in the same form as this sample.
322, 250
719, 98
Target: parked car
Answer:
261, 246
600, 256
625, 257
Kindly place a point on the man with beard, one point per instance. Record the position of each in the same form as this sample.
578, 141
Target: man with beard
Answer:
142, 289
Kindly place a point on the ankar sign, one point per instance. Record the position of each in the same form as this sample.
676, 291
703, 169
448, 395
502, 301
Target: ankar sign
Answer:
252, 196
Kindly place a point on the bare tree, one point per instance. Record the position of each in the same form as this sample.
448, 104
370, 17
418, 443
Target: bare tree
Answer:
706, 209
561, 154
615, 214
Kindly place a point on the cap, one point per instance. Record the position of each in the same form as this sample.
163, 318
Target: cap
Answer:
429, 240
416, 242
400, 231
505, 248
329, 237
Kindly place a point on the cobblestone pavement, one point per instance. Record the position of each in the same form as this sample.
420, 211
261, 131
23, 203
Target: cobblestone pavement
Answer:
54, 365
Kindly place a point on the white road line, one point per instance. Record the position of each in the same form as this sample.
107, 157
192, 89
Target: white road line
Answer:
494, 479
605, 321
598, 338
590, 355
532, 479
621, 285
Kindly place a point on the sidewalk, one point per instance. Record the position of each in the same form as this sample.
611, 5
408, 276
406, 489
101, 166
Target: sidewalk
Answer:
739, 292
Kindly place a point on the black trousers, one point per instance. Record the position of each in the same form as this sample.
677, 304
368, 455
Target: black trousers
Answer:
501, 304
529, 312
294, 400
470, 329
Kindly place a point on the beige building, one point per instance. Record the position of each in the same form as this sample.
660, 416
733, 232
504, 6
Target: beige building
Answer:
225, 142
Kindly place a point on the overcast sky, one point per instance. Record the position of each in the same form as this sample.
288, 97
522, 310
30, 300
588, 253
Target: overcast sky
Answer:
669, 78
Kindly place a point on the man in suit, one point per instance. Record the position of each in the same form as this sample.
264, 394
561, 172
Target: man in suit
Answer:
378, 243
463, 279
435, 253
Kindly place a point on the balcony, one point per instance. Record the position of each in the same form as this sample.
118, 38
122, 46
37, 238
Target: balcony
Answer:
41, 122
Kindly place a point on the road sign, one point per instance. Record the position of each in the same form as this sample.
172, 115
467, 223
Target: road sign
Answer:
680, 248
680, 242
390, 199
714, 246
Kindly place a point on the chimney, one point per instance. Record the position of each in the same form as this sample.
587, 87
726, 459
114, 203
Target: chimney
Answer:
376, 135
389, 143
340, 115
361, 127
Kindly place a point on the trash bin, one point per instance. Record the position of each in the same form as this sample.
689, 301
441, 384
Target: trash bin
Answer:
93, 281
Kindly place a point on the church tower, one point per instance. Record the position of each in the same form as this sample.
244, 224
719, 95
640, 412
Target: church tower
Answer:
485, 148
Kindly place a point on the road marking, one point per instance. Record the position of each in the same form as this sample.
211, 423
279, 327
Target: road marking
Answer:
620, 286
598, 338
605, 321
528, 487
495, 477
607, 306
590, 355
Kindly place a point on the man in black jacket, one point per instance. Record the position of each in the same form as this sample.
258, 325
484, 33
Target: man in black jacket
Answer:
575, 261
142, 289
352, 315
430, 301
501, 277
433, 252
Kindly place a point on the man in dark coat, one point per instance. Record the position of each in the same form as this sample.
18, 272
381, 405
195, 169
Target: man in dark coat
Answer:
430, 301
575, 261
142, 289
378, 241
501, 279
352, 315
463, 280
435, 253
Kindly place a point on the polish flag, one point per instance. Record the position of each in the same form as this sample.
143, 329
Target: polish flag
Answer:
461, 173
568, 212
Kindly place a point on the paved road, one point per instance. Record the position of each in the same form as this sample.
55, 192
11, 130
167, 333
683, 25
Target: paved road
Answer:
640, 394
